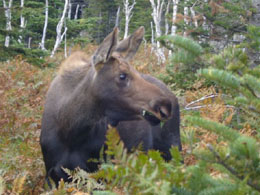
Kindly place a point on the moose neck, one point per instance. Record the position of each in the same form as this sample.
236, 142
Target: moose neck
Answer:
82, 110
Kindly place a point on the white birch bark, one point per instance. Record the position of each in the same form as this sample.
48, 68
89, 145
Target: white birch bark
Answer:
60, 36
205, 26
166, 20
186, 15
77, 11
29, 42
8, 20
193, 15
174, 17
128, 15
152, 37
65, 40
117, 16
69, 11
157, 17
42, 44
22, 23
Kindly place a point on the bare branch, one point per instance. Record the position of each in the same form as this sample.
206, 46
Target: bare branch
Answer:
59, 37
128, 15
45, 25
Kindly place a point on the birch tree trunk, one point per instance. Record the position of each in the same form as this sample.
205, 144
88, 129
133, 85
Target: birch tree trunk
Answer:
174, 17
77, 11
166, 20
157, 17
65, 41
205, 26
60, 36
29, 42
152, 38
186, 15
193, 15
42, 44
117, 16
69, 11
8, 21
128, 15
22, 23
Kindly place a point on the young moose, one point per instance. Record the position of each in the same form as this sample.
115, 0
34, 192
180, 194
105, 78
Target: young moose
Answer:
87, 95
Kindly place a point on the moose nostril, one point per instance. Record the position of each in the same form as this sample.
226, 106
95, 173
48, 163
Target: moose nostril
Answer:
162, 107
163, 112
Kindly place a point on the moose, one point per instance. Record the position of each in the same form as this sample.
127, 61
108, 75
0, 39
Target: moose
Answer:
87, 95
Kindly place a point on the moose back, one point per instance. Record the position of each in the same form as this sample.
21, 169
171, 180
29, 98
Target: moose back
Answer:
88, 94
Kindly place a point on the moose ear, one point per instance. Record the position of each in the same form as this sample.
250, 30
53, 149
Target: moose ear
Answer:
105, 50
129, 46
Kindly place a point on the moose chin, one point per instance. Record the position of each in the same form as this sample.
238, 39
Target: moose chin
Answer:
89, 94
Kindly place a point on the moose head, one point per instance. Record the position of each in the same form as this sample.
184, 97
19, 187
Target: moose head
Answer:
119, 88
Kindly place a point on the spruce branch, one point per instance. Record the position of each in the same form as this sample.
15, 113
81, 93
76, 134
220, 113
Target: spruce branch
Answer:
230, 169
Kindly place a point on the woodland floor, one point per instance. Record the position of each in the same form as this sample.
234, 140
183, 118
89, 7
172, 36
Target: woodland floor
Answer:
22, 93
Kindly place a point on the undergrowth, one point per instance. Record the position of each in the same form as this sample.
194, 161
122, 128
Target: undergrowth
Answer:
218, 157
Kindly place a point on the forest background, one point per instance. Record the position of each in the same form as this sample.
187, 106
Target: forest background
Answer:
206, 51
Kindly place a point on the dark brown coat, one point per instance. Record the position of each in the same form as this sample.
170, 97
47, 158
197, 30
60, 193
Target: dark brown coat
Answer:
88, 94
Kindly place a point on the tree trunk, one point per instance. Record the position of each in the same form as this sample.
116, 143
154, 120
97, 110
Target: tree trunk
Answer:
128, 15
8, 21
42, 44
29, 42
22, 23
174, 17
77, 11
60, 36
166, 20
117, 16
69, 11
152, 38
193, 15
65, 41
186, 15
157, 17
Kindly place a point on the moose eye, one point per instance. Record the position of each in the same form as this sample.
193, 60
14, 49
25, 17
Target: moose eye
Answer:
122, 76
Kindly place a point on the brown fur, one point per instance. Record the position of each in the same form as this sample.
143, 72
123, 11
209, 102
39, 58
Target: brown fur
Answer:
88, 94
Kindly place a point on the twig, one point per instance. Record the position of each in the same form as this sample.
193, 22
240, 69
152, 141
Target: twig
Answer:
187, 107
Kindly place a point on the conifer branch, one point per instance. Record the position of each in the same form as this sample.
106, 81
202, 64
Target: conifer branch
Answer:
230, 169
